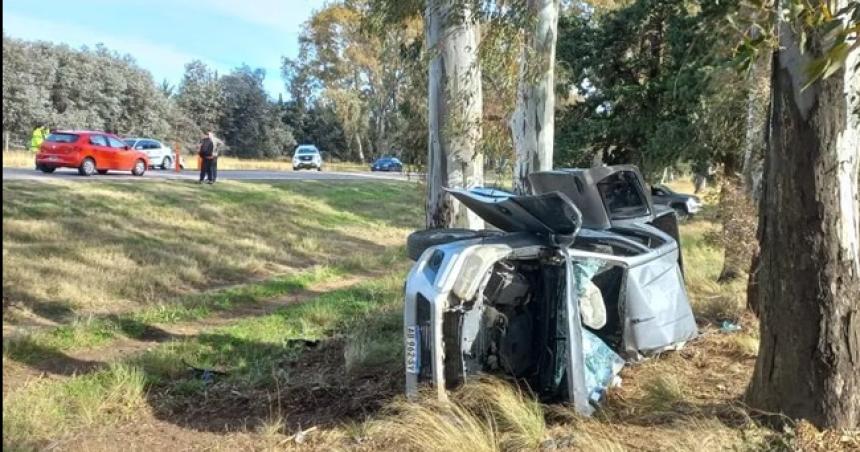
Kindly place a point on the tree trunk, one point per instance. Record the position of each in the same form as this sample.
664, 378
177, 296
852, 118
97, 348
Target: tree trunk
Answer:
360, 148
5, 141
758, 101
533, 121
809, 273
454, 112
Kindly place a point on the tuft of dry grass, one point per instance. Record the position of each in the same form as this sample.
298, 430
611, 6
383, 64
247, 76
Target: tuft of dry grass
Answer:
744, 346
487, 414
519, 417
661, 393
436, 427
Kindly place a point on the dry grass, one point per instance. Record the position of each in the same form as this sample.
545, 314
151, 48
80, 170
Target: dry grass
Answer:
46, 409
484, 415
19, 159
117, 247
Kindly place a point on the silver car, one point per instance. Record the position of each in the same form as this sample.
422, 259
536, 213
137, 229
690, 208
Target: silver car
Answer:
575, 280
160, 155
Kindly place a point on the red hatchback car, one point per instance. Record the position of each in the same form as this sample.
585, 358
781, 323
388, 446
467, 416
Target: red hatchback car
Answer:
90, 152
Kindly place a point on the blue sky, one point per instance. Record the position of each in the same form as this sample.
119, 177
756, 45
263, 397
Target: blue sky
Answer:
163, 35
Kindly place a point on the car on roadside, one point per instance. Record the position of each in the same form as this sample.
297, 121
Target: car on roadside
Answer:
685, 205
90, 152
160, 155
571, 283
387, 164
307, 156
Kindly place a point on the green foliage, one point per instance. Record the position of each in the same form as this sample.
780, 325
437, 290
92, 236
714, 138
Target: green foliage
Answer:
87, 88
250, 124
646, 73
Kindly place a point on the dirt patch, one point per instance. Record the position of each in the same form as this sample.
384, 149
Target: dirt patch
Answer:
313, 389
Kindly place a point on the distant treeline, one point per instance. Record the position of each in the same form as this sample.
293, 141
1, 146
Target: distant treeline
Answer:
62, 87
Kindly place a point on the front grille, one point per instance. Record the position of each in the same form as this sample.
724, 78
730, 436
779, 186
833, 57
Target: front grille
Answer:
422, 320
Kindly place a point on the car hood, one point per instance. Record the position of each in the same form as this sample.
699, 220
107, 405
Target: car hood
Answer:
544, 214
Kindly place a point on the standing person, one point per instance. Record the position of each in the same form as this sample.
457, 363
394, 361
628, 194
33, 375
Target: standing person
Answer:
217, 147
39, 135
207, 149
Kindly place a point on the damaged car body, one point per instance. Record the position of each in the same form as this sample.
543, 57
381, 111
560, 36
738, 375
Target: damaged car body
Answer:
584, 275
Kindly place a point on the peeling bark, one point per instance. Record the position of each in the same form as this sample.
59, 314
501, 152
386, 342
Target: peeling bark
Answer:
809, 273
454, 112
533, 121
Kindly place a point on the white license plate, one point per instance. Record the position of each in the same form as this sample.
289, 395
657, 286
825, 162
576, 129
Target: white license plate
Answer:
413, 349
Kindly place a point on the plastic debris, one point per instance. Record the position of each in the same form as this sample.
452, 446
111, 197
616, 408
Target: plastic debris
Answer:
729, 327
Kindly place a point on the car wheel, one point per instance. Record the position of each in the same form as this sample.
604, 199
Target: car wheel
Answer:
88, 167
139, 168
46, 169
103, 171
167, 163
319, 168
419, 241
681, 213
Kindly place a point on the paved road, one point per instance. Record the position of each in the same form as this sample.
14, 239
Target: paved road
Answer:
160, 175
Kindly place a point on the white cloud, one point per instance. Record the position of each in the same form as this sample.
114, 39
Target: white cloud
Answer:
163, 61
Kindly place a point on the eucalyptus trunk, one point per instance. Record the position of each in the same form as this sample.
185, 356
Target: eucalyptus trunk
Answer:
758, 100
454, 112
809, 229
533, 121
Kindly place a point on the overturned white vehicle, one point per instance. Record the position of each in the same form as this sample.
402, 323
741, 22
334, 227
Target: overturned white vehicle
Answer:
579, 277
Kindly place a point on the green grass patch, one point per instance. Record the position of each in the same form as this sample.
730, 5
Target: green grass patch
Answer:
250, 349
94, 331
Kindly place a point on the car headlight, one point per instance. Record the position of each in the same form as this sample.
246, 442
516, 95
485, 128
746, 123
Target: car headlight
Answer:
692, 204
478, 261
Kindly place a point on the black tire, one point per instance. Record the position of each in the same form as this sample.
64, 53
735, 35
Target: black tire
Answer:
103, 171
319, 168
88, 167
295, 168
419, 241
139, 168
46, 169
167, 163
681, 212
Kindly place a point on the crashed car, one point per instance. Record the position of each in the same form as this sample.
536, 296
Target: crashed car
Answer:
574, 280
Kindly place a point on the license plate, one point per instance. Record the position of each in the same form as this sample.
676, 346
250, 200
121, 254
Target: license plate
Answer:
413, 349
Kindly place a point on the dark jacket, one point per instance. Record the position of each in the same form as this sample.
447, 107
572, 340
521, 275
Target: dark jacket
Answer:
207, 148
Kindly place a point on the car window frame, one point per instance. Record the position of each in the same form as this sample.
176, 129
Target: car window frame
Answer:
98, 135
123, 146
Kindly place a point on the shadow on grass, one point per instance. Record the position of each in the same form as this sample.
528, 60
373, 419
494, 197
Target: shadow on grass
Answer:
111, 244
48, 359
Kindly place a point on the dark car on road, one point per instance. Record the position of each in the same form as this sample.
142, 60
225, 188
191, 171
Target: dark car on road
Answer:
387, 164
684, 205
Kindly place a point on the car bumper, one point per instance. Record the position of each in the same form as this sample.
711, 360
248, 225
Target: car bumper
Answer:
53, 160
306, 165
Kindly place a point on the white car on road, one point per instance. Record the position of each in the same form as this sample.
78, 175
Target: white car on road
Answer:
307, 156
160, 156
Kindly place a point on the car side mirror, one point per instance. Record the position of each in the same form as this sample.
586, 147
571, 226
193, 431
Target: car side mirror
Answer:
127, 147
